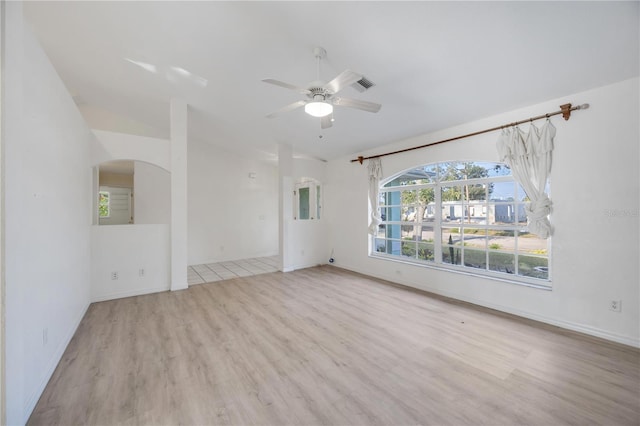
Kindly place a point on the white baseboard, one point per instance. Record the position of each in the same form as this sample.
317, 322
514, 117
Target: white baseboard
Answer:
128, 293
233, 259
581, 328
55, 360
303, 266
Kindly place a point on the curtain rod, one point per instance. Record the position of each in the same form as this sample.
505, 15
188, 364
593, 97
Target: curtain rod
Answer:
565, 110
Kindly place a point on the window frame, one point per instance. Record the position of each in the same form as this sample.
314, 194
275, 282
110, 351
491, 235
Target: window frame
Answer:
315, 199
439, 224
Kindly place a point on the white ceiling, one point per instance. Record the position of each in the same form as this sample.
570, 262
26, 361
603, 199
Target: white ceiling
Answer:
435, 64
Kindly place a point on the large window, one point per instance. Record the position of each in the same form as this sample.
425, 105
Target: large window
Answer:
465, 216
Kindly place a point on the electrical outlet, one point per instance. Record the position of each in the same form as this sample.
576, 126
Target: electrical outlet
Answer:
114, 275
141, 272
615, 305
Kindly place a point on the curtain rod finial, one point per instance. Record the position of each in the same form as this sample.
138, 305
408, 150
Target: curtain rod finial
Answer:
566, 111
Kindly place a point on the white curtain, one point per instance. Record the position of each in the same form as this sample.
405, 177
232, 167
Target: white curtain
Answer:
375, 173
529, 157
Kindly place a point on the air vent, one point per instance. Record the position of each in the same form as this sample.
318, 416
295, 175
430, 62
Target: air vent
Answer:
363, 84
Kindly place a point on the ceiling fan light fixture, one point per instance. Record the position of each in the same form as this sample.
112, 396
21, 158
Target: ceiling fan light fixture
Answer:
318, 109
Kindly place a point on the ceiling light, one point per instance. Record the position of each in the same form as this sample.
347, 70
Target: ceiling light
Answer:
318, 109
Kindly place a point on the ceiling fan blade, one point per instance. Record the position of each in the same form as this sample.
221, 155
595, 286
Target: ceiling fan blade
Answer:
355, 103
344, 79
288, 108
326, 121
287, 86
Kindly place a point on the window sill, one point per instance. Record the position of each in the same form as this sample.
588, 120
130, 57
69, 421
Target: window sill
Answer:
523, 281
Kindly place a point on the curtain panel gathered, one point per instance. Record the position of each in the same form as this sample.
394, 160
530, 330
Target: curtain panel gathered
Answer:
529, 157
374, 169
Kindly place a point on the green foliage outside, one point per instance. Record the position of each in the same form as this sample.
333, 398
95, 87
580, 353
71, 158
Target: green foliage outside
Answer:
103, 204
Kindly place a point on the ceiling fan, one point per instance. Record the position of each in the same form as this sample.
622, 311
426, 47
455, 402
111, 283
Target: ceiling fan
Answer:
322, 96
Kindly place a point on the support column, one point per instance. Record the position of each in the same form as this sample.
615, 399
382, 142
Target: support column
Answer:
178, 195
285, 206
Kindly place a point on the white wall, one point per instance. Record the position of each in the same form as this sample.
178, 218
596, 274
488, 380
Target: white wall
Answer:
127, 249
230, 215
595, 191
151, 194
110, 146
48, 214
103, 119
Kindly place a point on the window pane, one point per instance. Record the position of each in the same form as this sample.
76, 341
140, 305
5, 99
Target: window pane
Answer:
502, 191
529, 243
426, 234
304, 203
393, 198
408, 232
451, 193
394, 213
475, 238
501, 214
383, 213
475, 192
393, 231
408, 213
380, 245
429, 213
452, 212
451, 246
381, 232
532, 256
521, 215
477, 212
533, 266
501, 240
414, 177
394, 247
425, 251
451, 254
497, 169
475, 258
502, 262
521, 195
409, 249
451, 236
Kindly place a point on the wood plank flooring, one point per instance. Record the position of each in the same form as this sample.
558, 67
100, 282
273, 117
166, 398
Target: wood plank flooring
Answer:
331, 347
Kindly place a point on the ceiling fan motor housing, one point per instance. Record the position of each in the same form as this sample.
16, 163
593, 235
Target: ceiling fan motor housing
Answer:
319, 94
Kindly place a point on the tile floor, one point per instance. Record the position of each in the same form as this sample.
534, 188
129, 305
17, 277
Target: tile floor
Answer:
211, 272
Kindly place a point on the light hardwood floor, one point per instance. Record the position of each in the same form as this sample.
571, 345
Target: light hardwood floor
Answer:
327, 346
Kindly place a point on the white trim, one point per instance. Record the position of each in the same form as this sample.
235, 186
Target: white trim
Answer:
569, 325
129, 293
55, 360
464, 270
303, 266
